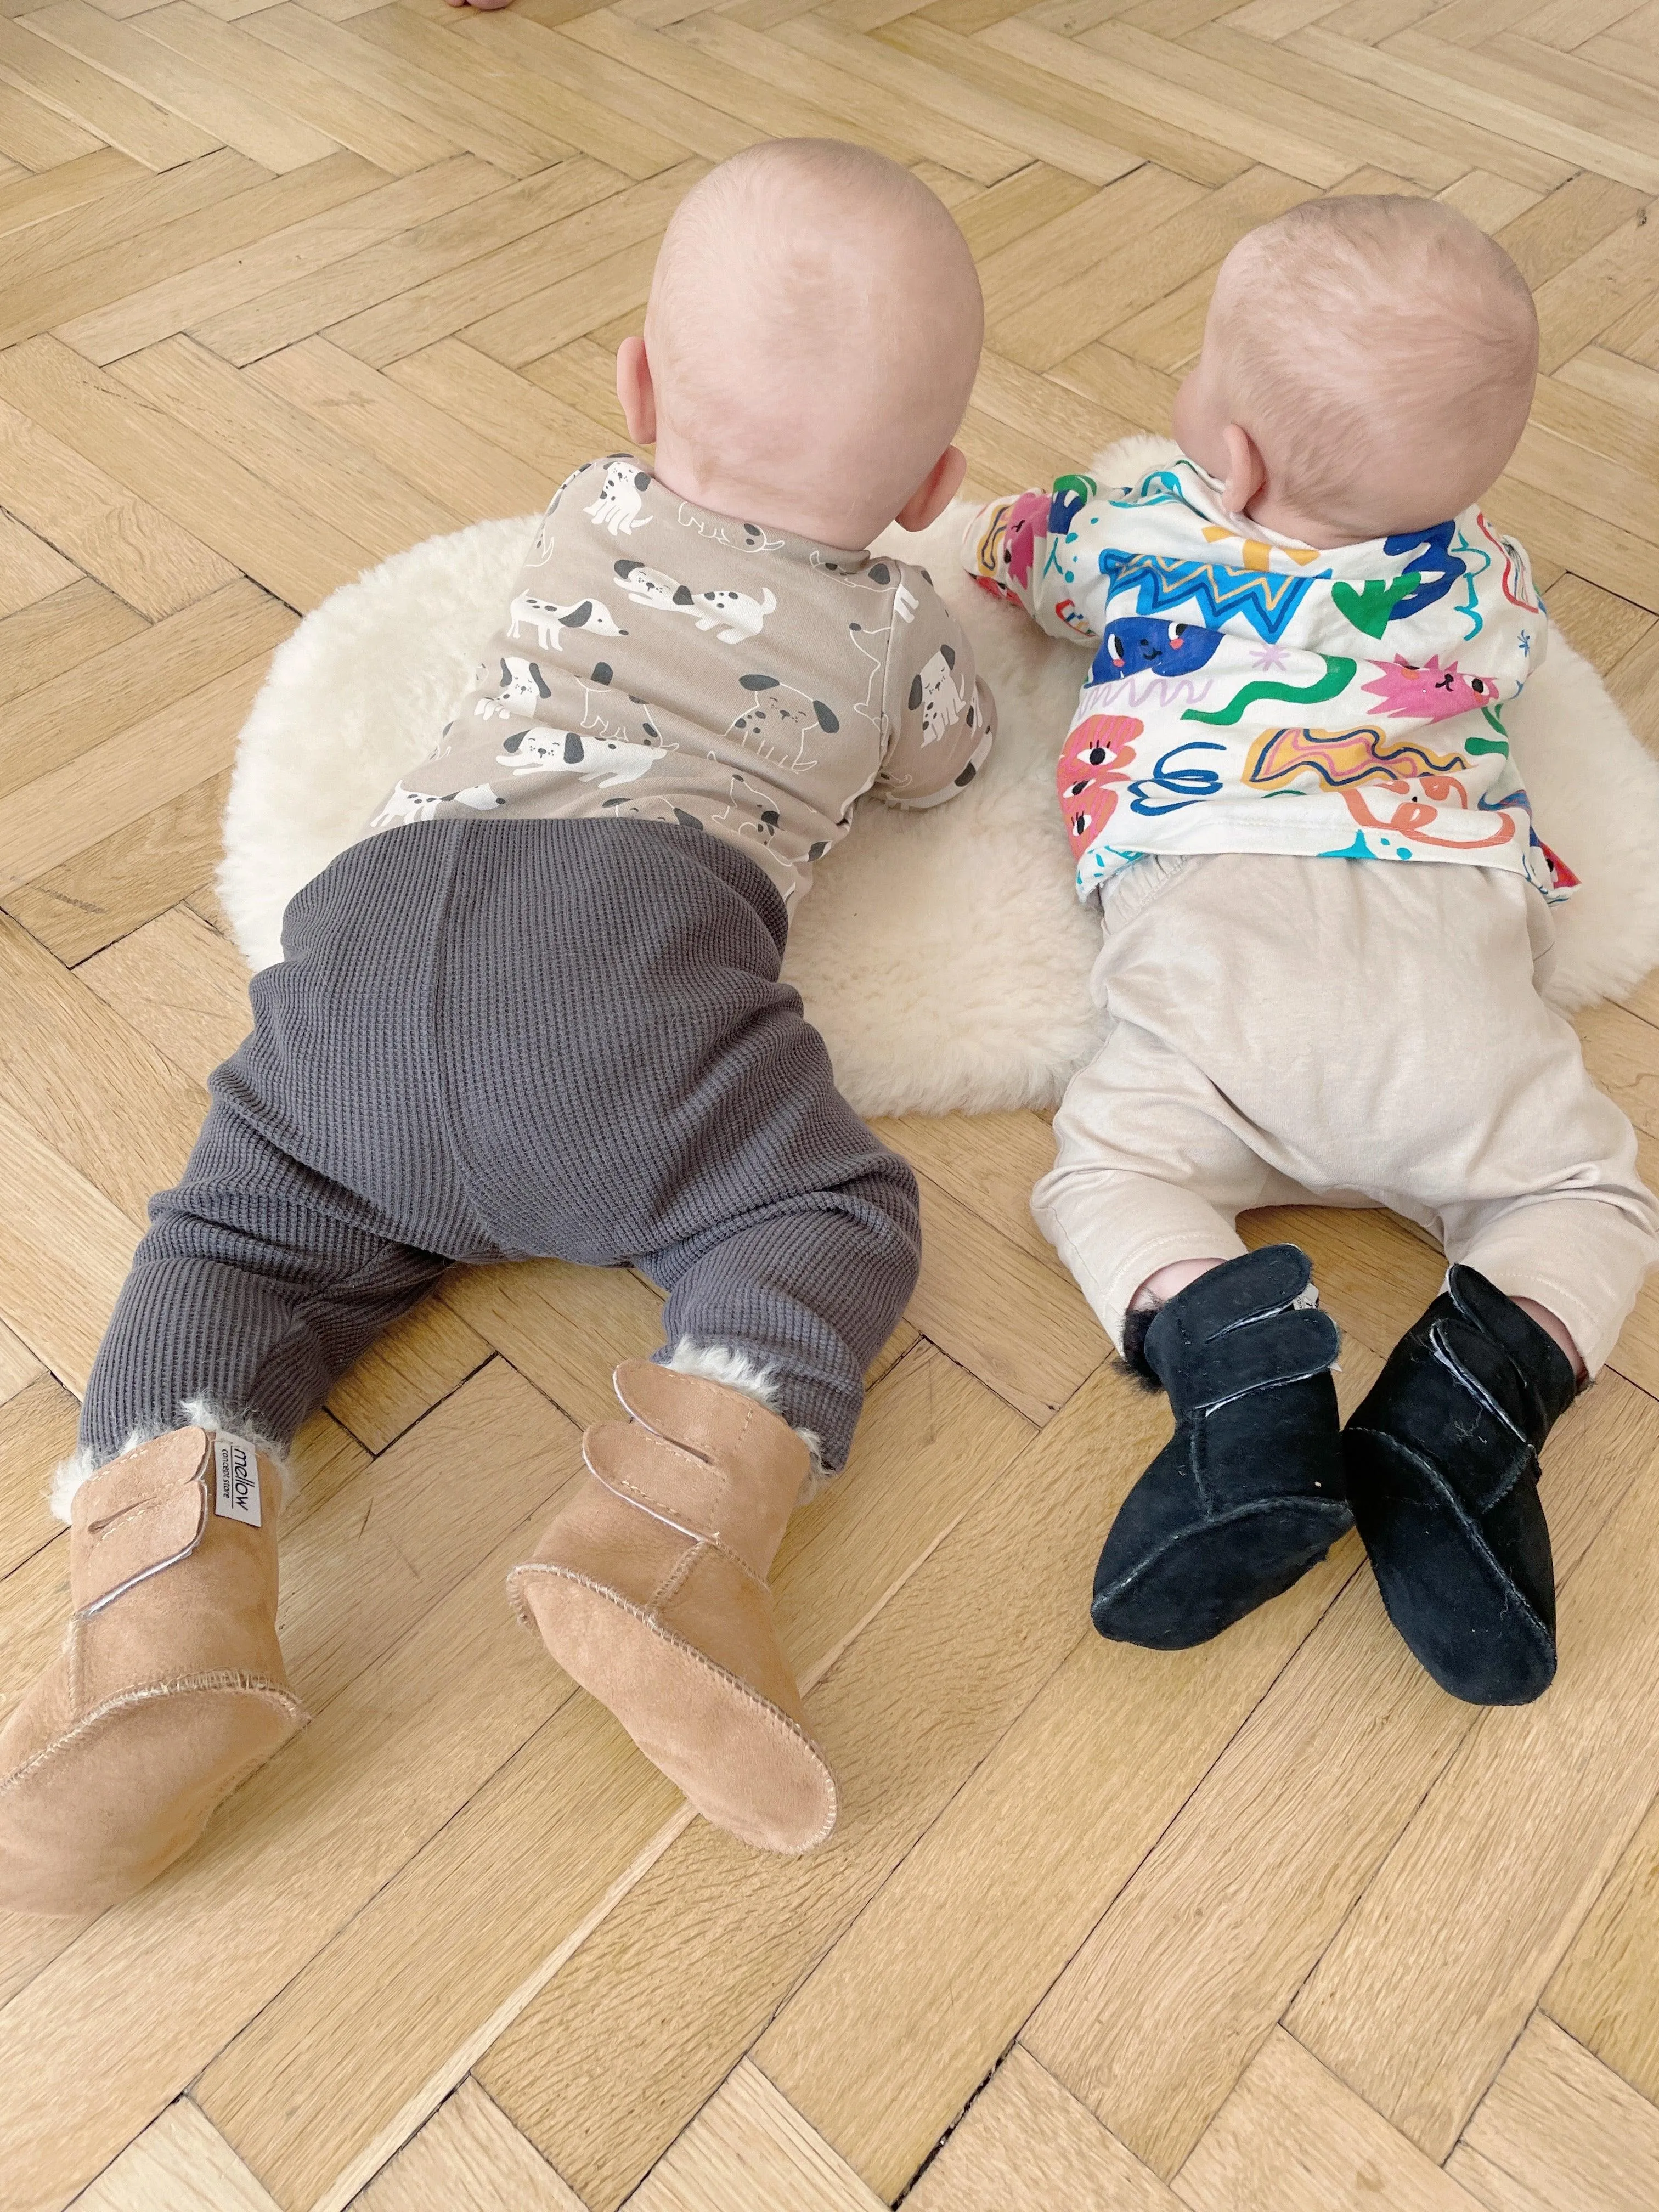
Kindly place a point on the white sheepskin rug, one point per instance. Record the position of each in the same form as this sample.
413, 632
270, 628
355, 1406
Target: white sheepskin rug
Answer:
943, 954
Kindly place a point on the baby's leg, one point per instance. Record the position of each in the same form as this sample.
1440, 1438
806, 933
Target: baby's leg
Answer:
1151, 1171
1147, 1179
258, 1283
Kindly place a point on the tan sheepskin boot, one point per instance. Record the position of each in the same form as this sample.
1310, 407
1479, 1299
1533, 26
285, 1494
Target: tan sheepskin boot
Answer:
169, 1689
650, 1588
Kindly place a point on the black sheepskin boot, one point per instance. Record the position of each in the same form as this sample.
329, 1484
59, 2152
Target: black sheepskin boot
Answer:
1247, 1495
1442, 1466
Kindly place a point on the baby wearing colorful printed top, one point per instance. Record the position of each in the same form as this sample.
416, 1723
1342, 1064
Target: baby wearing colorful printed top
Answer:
1325, 905
536, 1011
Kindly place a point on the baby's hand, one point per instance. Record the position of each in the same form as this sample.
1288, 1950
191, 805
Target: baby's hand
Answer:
1001, 540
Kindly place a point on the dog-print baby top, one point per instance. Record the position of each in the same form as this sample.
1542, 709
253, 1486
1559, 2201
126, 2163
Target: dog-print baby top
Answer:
1212, 636
660, 661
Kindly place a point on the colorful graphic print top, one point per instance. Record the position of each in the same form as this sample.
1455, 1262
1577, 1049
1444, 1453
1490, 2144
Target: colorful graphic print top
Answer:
1248, 694
660, 661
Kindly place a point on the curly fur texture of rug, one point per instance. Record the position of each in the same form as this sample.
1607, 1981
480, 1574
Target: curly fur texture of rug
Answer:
943, 954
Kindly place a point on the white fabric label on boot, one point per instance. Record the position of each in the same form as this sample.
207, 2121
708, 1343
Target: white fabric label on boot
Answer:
236, 1478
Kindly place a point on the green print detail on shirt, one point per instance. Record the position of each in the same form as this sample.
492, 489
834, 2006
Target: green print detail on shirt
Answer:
1339, 674
1370, 608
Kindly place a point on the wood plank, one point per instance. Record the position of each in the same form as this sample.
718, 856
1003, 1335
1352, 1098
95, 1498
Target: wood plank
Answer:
1025, 2146
535, 47
37, 1428
64, 1053
973, 1281
36, 137
179, 985
295, 241
359, 503
180, 2163
76, 624
524, 416
1161, 80
143, 556
479, 67
1606, 1990
356, 65
608, 2064
1155, 2018
30, 570
1557, 2127
423, 445
279, 142
1089, 107
87, 701
447, 303
126, 878
108, 109
260, 530
1419, 2025
64, 1251
749, 2150
28, 200
309, 95
117, 783
1080, 155
380, 272
936, 1976
564, 1327
1291, 2138
419, 1361
468, 2158
18, 1366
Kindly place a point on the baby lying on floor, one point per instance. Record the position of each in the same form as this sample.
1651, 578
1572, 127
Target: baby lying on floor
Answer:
535, 1009
1324, 904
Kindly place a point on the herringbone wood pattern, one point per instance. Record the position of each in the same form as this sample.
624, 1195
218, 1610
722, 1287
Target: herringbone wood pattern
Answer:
290, 283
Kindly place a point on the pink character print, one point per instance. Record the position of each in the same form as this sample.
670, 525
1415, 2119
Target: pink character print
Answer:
1431, 693
1097, 756
1007, 545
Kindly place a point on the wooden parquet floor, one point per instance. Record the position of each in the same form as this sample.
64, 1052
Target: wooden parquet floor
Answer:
1271, 1926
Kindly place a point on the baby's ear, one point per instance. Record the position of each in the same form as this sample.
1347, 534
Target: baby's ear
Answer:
935, 492
635, 392
1247, 472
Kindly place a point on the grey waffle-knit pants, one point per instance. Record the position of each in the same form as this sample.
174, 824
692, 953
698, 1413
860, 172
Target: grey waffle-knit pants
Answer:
509, 1040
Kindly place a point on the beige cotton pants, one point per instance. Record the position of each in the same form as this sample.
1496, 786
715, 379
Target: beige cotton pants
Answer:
1354, 1033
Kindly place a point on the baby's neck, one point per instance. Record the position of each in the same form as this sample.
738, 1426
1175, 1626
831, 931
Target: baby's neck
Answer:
727, 492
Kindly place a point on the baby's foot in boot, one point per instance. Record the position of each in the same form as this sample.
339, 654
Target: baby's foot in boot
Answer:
1441, 1466
1247, 1495
169, 1689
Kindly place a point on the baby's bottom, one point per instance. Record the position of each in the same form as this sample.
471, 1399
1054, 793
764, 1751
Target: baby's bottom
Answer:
1355, 1032
493, 1041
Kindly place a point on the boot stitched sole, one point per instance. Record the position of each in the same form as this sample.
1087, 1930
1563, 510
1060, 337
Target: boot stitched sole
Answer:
1405, 1510
54, 1803
1239, 1562
709, 1732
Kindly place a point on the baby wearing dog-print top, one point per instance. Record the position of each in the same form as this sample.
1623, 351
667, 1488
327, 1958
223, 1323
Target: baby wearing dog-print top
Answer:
537, 1012
1289, 782
664, 663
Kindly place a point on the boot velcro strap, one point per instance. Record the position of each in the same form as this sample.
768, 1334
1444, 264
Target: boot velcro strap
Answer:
1282, 1348
713, 1419
667, 1482
1486, 1374
144, 1513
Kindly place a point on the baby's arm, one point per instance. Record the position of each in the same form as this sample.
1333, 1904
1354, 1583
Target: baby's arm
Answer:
939, 716
1006, 546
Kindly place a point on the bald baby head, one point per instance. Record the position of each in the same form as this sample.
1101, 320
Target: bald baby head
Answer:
1377, 357
812, 336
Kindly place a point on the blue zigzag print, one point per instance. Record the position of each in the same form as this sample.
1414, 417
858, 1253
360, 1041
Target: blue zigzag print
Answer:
1268, 602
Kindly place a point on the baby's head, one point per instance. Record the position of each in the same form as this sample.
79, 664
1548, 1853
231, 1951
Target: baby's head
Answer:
812, 338
1367, 369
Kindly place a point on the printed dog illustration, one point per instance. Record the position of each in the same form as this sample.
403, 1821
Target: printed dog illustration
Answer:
547, 619
621, 497
741, 613
610, 761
